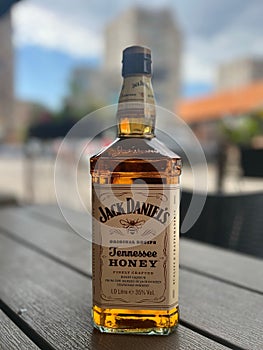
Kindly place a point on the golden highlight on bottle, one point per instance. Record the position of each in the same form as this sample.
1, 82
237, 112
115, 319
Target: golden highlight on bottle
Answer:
135, 208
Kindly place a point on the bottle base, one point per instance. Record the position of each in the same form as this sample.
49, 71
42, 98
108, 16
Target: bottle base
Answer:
142, 322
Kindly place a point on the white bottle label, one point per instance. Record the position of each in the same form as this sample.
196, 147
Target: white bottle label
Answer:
136, 246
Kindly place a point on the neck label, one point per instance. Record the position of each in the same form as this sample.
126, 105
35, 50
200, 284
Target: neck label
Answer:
137, 88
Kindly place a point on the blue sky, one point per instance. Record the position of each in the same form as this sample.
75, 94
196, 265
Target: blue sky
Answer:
53, 36
42, 74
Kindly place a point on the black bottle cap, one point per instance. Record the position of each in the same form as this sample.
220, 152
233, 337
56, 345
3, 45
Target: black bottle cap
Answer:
136, 60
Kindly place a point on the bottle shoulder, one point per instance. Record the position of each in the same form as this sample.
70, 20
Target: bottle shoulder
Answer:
136, 148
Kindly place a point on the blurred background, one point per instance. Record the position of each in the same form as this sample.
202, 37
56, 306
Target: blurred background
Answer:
60, 60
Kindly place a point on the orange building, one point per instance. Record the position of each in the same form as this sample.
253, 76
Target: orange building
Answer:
215, 106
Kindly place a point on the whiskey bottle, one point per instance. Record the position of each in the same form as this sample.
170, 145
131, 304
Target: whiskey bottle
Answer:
135, 209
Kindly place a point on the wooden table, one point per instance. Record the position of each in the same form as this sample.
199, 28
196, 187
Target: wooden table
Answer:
45, 291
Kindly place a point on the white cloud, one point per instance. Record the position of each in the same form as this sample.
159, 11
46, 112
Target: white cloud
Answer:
202, 55
36, 25
194, 70
213, 32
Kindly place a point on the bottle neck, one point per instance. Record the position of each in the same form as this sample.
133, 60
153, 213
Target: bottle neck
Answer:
136, 108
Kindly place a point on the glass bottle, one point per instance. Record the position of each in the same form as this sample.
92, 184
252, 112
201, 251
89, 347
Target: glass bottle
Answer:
135, 207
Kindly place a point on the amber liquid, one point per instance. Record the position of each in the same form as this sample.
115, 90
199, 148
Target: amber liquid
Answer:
134, 160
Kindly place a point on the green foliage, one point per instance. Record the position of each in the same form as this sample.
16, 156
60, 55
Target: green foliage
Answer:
241, 130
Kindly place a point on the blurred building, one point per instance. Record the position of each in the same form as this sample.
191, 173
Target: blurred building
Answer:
89, 89
239, 72
23, 113
217, 105
6, 75
156, 29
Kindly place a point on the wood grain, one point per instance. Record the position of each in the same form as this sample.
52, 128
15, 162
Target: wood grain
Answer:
63, 217
208, 304
232, 267
220, 263
223, 310
11, 337
63, 244
58, 303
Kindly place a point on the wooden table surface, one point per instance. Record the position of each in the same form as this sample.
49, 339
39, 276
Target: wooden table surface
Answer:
45, 290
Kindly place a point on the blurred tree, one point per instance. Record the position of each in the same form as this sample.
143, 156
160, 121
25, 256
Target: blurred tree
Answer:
240, 133
241, 130
46, 125
39, 113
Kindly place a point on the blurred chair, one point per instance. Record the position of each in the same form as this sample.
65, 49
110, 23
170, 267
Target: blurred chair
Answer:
229, 221
251, 162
